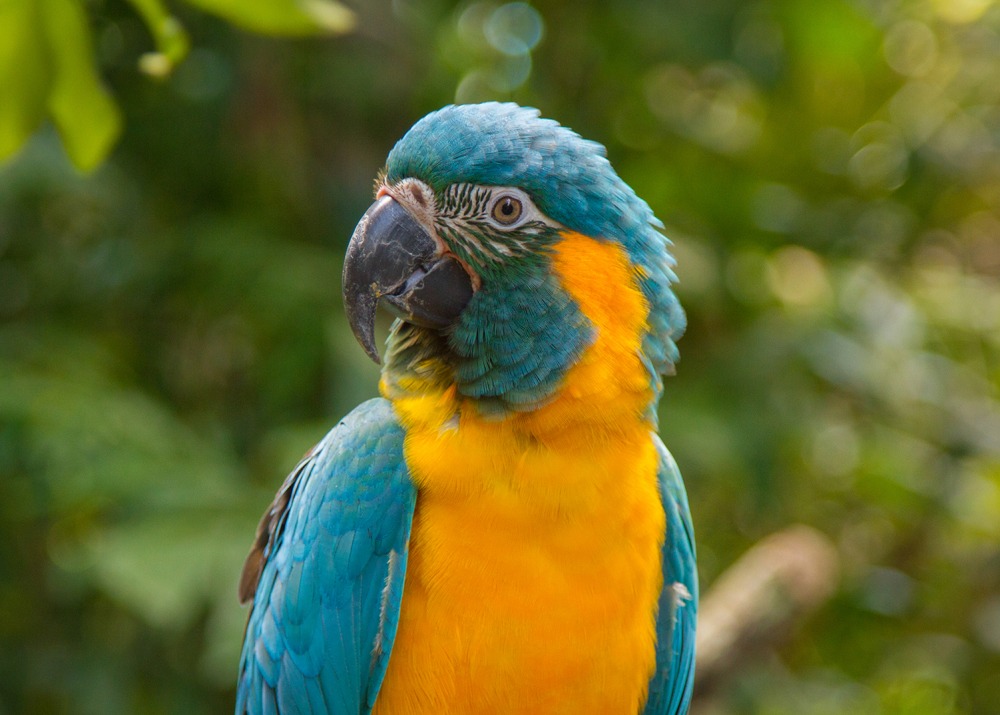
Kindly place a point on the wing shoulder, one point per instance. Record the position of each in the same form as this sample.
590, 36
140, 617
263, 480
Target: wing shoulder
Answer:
670, 687
325, 573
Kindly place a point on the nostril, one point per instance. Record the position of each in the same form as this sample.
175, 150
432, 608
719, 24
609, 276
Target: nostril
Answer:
418, 196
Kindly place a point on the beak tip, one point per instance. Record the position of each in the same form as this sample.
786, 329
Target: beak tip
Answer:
360, 309
363, 326
372, 352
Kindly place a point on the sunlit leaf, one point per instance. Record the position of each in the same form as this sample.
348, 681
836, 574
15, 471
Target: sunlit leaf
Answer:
282, 17
25, 74
82, 109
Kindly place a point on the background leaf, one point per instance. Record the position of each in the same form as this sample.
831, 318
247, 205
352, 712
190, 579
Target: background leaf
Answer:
25, 73
282, 17
82, 109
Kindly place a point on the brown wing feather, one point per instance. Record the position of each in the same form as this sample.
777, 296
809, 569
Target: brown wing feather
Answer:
268, 531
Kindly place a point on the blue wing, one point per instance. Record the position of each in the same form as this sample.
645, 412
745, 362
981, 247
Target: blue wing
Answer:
671, 684
326, 574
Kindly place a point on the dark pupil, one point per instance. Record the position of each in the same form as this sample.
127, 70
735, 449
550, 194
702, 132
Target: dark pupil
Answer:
507, 207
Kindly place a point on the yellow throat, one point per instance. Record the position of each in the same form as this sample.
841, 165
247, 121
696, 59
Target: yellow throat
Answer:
534, 566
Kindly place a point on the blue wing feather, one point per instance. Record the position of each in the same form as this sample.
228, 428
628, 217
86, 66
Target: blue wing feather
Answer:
327, 574
670, 687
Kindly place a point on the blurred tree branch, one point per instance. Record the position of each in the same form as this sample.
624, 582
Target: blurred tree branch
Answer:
755, 604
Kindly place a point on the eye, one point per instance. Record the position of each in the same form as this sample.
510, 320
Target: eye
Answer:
507, 210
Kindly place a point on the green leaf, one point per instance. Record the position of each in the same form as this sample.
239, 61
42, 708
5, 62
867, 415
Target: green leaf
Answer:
282, 17
82, 109
25, 75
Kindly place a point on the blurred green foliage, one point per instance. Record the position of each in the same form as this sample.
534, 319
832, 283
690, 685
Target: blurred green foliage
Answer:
172, 336
47, 63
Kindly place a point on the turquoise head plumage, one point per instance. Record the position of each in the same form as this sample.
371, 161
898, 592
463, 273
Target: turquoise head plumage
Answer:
495, 187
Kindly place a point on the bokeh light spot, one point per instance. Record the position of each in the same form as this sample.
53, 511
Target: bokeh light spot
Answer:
961, 11
514, 28
881, 160
910, 48
777, 207
797, 277
835, 451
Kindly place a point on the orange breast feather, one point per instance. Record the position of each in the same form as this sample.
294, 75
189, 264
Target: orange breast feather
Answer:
534, 563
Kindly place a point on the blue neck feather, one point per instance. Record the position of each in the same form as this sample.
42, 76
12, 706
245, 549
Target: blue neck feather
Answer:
515, 341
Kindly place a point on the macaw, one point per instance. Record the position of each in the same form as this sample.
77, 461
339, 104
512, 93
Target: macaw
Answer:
502, 531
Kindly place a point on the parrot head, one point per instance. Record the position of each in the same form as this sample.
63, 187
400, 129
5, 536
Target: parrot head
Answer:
504, 244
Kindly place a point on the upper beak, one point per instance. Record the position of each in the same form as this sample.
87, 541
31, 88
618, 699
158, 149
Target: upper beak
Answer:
392, 258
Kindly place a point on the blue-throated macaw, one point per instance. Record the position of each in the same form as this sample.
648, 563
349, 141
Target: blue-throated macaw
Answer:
503, 531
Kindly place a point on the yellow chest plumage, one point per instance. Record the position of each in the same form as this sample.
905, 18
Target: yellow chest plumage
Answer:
534, 566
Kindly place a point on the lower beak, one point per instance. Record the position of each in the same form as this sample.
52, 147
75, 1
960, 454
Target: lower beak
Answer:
391, 258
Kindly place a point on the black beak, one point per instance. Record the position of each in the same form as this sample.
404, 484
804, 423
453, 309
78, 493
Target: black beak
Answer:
392, 258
